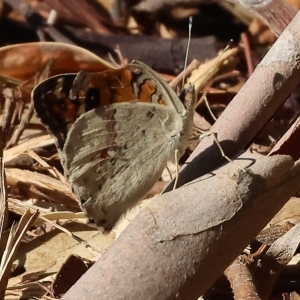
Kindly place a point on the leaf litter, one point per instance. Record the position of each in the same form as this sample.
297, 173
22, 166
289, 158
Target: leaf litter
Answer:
44, 236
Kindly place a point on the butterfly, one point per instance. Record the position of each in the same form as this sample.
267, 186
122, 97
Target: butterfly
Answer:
115, 131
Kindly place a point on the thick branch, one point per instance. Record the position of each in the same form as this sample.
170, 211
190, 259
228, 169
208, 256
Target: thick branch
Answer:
273, 80
182, 242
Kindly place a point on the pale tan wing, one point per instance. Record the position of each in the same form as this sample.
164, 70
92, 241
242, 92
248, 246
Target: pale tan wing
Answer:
114, 154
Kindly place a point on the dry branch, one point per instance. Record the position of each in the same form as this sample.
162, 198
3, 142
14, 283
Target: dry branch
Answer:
273, 80
275, 260
53, 189
242, 283
137, 47
275, 13
183, 240
254, 276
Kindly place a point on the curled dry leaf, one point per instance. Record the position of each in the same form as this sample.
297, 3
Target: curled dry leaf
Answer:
24, 61
21, 64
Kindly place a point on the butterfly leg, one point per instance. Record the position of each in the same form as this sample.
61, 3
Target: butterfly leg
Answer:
205, 134
209, 133
217, 143
177, 169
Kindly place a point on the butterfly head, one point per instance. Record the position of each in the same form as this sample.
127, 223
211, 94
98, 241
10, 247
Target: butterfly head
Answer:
189, 98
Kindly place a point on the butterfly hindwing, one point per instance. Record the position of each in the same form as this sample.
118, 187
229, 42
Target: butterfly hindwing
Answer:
114, 154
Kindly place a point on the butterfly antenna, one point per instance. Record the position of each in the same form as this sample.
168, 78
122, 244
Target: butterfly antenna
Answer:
187, 49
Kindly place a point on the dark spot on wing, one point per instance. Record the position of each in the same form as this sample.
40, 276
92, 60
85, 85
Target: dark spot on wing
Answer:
150, 114
92, 99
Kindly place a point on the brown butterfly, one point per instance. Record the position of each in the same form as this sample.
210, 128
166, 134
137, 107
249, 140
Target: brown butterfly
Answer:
115, 130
